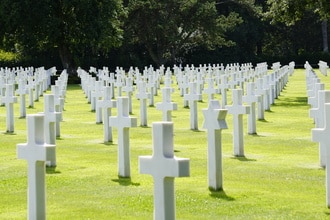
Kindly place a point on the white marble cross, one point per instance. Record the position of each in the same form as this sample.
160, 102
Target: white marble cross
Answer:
251, 99
237, 109
193, 97
129, 89
107, 104
152, 89
166, 106
323, 135
318, 114
96, 95
36, 152
50, 116
59, 102
123, 122
163, 166
223, 86
9, 99
313, 101
214, 122
22, 91
142, 95
261, 92
210, 90
119, 83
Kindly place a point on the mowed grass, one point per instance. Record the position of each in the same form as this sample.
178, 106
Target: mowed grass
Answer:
279, 177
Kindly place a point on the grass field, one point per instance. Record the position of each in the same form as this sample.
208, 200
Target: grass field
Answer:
279, 177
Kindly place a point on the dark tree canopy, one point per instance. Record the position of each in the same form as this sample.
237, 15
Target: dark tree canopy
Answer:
169, 27
74, 33
74, 27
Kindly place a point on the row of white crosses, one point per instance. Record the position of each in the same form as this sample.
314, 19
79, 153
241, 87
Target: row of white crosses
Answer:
319, 99
40, 149
316, 98
36, 79
237, 109
262, 89
163, 166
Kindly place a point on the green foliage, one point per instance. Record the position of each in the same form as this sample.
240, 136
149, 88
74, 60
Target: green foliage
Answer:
167, 28
290, 11
7, 56
75, 28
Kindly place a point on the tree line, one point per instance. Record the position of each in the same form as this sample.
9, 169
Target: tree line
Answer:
72, 33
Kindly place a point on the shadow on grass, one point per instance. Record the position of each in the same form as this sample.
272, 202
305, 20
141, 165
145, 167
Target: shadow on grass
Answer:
144, 126
262, 120
52, 170
9, 133
293, 102
244, 159
109, 143
220, 194
196, 130
327, 213
125, 181
257, 135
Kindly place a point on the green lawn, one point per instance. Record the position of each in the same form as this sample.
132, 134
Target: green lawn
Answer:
279, 178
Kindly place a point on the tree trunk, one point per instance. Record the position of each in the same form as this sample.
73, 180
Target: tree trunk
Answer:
325, 36
67, 60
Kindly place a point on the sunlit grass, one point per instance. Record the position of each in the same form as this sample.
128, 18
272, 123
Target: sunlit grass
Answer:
279, 177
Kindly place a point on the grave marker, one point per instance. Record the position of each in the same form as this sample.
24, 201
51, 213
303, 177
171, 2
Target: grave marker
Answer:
318, 114
9, 99
142, 95
251, 99
214, 122
210, 90
163, 166
237, 110
321, 135
22, 91
50, 124
123, 122
107, 104
36, 152
193, 97
166, 106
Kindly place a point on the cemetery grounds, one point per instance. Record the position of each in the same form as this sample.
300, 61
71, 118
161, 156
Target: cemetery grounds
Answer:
279, 177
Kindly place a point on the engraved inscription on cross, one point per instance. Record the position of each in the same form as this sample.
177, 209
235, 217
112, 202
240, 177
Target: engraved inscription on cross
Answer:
163, 166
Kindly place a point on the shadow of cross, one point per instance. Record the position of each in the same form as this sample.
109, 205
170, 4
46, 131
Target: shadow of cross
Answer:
163, 166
